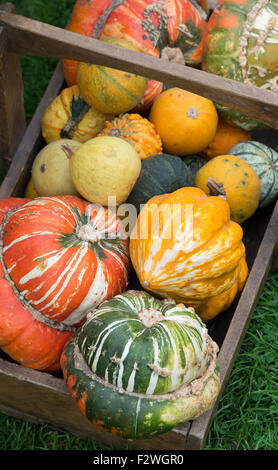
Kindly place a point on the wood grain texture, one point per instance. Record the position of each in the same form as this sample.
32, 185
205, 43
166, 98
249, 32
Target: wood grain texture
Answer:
12, 114
41, 398
27, 36
32, 141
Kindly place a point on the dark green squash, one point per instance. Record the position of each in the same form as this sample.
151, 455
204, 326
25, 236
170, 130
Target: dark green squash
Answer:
159, 174
139, 366
264, 160
194, 163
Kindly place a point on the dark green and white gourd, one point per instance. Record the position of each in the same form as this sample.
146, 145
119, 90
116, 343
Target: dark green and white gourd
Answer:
264, 160
139, 365
159, 174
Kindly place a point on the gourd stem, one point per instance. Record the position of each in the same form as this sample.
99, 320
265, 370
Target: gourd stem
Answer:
88, 233
150, 316
69, 150
216, 189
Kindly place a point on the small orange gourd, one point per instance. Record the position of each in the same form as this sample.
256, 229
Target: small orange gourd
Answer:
137, 131
234, 179
225, 138
194, 255
186, 122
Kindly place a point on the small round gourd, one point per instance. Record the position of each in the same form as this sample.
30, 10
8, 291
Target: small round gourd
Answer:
140, 366
105, 167
186, 122
264, 160
70, 117
110, 90
137, 131
159, 174
50, 170
232, 178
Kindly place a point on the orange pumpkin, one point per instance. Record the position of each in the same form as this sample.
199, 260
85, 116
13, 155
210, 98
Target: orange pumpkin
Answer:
235, 180
137, 131
70, 117
186, 122
185, 247
225, 138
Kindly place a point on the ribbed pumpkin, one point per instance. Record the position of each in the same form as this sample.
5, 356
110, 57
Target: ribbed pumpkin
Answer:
110, 90
234, 179
159, 174
242, 44
194, 256
70, 117
264, 160
186, 122
139, 366
61, 258
226, 137
166, 28
137, 131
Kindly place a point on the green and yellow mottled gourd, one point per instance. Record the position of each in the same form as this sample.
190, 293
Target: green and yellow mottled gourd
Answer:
139, 366
242, 45
108, 90
264, 160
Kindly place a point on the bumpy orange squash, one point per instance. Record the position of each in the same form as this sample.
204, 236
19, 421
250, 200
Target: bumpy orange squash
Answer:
137, 131
70, 117
110, 90
186, 122
236, 180
185, 247
225, 138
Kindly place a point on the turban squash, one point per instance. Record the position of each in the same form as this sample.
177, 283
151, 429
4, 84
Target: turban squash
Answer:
185, 247
140, 366
157, 28
55, 266
242, 45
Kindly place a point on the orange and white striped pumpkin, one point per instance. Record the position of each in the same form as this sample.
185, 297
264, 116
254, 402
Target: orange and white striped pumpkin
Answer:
185, 247
60, 258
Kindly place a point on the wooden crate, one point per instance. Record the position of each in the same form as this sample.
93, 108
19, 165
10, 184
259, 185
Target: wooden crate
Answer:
41, 397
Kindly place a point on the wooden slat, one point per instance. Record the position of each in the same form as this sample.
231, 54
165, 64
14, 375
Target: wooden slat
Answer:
27, 36
19, 170
12, 113
40, 397
239, 325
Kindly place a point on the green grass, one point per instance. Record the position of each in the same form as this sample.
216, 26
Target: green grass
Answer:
247, 416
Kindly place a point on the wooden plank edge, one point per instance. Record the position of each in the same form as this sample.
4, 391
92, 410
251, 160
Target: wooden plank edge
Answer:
31, 138
247, 302
27, 36
42, 383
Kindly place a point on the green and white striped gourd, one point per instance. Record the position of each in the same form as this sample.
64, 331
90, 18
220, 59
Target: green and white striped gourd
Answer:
140, 365
264, 160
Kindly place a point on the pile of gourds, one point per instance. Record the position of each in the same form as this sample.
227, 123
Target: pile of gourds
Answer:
182, 175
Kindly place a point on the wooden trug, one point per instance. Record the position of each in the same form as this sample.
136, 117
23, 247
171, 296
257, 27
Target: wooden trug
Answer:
41, 397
